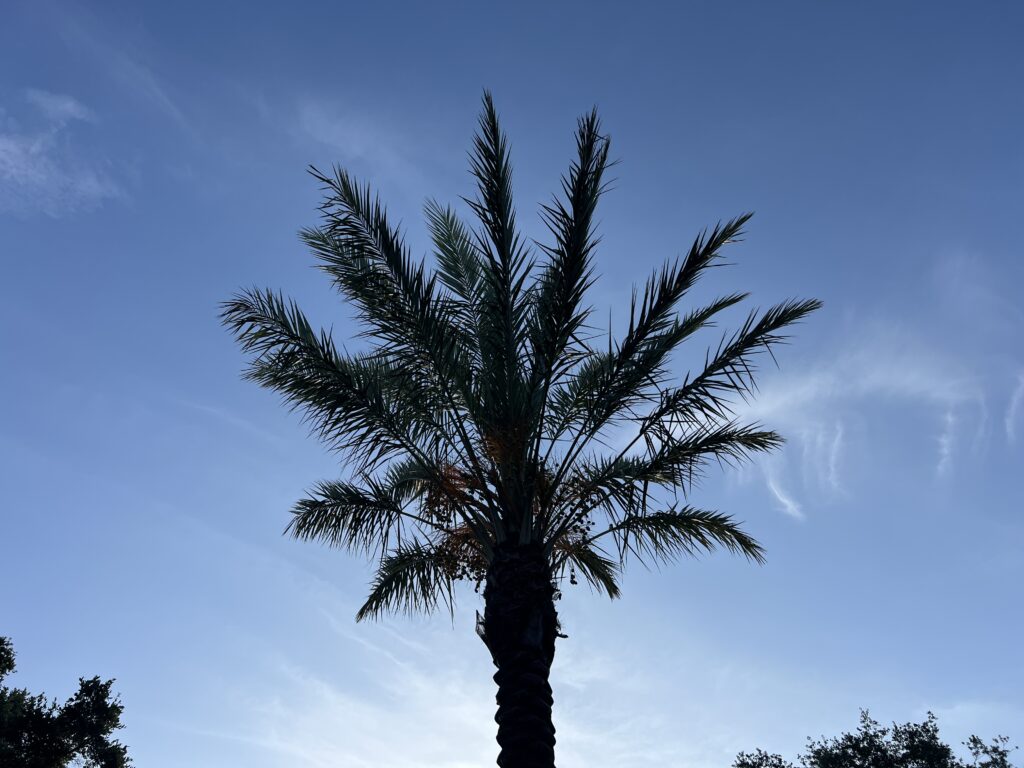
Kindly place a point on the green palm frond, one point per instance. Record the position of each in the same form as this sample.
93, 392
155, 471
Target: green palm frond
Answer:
398, 302
458, 261
621, 484
605, 387
729, 374
679, 532
353, 403
664, 290
369, 408
558, 312
371, 265
615, 381
600, 571
679, 459
460, 271
362, 519
409, 579
503, 304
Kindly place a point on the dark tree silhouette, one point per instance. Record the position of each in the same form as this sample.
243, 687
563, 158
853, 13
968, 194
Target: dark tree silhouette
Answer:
477, 426
911, 745
36, 732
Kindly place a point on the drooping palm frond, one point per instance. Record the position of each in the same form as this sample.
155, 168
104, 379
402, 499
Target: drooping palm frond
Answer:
679, 532
580, 555
621, 485
356, 404
367, 407
366, 519
411, 578
481, 414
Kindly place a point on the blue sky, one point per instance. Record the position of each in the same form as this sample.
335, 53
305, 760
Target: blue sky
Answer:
151, 163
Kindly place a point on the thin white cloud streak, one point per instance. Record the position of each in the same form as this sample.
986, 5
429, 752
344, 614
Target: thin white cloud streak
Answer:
946, 443
365, 144
787, 503
884, 364
833, 458
1013, 409
441, 701
82, 32
352, 134
979, 299
225, 416
879, 366
41, 171
59, 108
823, 447
967, 284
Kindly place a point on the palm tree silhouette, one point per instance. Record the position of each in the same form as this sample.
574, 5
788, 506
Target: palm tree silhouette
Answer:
475, 429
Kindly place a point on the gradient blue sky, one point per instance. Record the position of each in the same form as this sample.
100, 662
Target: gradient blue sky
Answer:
151, 163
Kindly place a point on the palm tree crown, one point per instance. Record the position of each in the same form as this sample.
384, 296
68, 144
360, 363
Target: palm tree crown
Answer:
481, 415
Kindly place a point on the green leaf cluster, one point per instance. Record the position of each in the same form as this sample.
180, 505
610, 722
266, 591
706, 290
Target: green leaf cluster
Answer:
910, 745
37, 732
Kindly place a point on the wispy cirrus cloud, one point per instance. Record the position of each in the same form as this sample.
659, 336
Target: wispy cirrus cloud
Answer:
980, 298
785, 500
43, 169
1013, 409
123, 65
437, 694
58, 107
351, 133
366, 144
945, 441
882, 364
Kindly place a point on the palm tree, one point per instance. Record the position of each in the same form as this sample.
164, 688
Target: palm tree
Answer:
477, 427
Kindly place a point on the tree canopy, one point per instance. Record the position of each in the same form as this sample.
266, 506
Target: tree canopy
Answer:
911, 745
37, 732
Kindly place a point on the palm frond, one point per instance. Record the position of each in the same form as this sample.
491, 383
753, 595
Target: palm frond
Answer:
616, 380
371, 265
730, 373
620, 485
458, 260
410, 579
362, 519
353, 403
680, 458
679, 532
503, 308
663, 291
558, 314
607, 386
600, 571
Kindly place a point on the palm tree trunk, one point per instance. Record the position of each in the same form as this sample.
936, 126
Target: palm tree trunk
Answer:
519, 627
